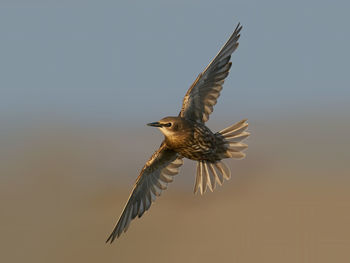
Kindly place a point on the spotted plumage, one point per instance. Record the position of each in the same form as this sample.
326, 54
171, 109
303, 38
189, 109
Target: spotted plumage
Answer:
196, 141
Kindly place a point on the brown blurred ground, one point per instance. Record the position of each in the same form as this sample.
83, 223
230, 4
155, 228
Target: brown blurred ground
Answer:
63, 188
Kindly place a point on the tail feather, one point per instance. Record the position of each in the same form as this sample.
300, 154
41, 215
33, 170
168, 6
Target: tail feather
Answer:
237, 146
218, 176
232, 137
198, 184
236, 155
222, 167
237, 138
210, 177
207, 177
210, 173
234, 127
204, 179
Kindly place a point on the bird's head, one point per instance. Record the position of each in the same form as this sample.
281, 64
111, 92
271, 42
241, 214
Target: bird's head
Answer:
169, 126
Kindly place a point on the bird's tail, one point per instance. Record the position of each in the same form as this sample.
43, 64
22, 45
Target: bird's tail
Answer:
210, 173
231, 140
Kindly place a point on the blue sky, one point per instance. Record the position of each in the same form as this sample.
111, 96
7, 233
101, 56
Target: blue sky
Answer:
113, 60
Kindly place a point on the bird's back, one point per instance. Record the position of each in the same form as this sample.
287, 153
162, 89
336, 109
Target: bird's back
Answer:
197, 142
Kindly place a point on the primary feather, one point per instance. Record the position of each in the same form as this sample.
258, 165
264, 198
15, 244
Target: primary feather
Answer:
202, 95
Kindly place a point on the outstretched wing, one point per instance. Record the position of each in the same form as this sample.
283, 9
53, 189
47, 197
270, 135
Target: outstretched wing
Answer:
204, 92
153, 179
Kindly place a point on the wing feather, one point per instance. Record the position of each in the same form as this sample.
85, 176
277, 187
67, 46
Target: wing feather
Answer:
153, 179
202, 95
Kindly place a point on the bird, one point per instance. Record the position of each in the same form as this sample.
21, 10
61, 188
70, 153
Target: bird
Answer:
187, 136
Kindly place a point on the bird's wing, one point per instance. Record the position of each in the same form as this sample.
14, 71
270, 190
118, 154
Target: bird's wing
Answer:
202, 95
153, 179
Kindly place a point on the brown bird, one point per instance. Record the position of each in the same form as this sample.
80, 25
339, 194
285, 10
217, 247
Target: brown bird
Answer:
187, 136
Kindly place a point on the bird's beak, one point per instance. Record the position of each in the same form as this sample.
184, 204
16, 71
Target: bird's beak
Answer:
155, 124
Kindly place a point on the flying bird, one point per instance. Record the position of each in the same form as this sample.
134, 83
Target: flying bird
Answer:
187, 136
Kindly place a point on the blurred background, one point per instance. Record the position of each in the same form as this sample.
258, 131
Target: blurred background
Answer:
79, 81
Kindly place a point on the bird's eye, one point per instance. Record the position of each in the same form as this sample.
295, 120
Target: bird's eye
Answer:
167, 124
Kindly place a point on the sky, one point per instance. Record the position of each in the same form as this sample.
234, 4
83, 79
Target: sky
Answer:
111, 61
